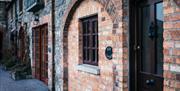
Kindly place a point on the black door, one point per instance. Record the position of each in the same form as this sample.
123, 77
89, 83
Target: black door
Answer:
147, 46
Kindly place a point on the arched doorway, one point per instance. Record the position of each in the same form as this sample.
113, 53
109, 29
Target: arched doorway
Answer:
104, 21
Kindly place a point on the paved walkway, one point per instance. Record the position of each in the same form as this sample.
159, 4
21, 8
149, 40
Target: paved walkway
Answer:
8, 84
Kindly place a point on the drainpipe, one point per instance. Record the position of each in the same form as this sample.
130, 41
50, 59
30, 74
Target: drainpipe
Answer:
16, 20
53, 45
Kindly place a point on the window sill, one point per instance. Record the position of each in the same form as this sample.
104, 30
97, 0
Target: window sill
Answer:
88, 68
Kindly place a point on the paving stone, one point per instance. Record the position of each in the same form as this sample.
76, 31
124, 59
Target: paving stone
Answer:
8, 84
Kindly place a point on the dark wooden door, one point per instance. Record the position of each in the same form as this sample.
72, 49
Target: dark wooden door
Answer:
148, 45
40, 52
44, 54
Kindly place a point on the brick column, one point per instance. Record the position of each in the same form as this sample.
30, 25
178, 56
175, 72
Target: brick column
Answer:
171, 46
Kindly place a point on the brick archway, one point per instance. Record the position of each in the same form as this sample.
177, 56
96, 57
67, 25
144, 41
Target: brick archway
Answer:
113, 7
116, 12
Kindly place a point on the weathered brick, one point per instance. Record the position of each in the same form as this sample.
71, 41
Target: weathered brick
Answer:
106, 38
169, 75
177, 61
172, 17
168, 44
176, 52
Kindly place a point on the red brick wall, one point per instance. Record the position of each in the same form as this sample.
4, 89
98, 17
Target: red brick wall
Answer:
171, 46
112, 32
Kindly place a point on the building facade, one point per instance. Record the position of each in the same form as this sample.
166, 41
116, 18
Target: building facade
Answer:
98, 45
31, 45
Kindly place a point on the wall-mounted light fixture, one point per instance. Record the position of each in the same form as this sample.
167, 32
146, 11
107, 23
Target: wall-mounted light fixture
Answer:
25, 25
36, 19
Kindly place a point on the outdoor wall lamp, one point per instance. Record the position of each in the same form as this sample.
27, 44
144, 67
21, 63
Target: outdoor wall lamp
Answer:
109, 52
25, 25
36, 19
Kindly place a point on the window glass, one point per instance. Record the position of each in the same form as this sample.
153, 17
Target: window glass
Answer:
90, 40
159, 39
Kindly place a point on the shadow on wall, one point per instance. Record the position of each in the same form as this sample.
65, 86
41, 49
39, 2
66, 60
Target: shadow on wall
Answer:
65, 62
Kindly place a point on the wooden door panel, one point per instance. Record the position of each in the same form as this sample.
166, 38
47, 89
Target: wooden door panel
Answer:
44, 62
150, 82
40, 42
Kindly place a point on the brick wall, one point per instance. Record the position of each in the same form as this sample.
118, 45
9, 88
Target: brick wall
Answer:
113, 28
112, 18
171, 46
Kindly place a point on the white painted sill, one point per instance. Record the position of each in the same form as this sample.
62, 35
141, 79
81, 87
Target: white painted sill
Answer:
88, 69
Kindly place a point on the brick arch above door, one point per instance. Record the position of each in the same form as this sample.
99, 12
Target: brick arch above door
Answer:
113, 7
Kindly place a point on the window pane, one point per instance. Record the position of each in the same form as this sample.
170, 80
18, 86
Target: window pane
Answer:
87, 41
87, 27
95, 26
146, 41
94, 41
84, 54
159, 39
84, 42
84, 27
87, 54
94, 55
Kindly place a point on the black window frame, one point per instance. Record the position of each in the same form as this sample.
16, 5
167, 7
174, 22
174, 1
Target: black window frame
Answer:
89, 26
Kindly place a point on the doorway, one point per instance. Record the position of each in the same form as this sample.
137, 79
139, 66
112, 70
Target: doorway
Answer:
146, 45
40, 52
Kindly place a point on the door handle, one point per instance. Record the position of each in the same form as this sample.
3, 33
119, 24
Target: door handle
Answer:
150, 82
137, 47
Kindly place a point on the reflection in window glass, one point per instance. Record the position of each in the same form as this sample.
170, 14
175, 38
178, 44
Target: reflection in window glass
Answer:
146, 44
159, 39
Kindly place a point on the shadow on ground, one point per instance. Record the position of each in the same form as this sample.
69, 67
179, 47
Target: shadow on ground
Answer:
8, 84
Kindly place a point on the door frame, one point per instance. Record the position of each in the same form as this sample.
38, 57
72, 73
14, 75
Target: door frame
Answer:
132, 62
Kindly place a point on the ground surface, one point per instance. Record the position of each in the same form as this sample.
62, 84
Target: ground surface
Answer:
8, 84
